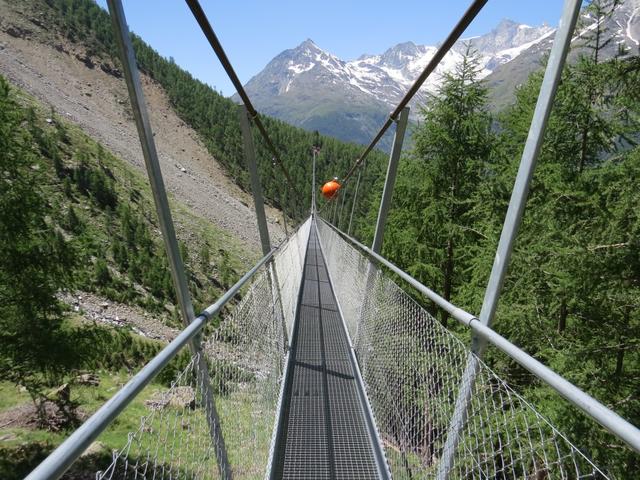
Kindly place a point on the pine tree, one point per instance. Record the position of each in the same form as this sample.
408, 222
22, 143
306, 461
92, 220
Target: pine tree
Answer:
35, 261
429, 224
571, 296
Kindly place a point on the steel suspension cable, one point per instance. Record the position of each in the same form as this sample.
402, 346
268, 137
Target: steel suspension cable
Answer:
201, 18
453, 37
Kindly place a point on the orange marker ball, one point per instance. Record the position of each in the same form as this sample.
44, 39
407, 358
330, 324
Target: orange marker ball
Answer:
330, 189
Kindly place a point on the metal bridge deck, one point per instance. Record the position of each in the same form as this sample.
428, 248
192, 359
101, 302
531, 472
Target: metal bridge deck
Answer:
324, 429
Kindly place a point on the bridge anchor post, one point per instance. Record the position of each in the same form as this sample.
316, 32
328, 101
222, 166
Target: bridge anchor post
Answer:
355, 199
385, 204
390, 180
261, 216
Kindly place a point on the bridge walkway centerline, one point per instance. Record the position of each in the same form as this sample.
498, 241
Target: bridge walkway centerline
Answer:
324, 433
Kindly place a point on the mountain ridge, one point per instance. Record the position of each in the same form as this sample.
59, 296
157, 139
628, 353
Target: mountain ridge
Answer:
314, 89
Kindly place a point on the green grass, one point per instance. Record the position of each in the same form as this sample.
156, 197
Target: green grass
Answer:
90, 399
180, 438
244, 422
10, 396
22, 448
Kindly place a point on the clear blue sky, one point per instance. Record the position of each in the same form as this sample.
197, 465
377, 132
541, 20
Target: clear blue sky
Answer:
254, 31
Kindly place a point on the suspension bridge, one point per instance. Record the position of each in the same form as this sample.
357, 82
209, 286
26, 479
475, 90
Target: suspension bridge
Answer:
326, 368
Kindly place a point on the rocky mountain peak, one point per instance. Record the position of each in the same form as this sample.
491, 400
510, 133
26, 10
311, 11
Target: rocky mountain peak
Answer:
508, 35
308, 47
399, 55
314, 89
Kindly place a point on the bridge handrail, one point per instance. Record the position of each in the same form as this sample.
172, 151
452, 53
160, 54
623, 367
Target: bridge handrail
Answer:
604, 416
71, 449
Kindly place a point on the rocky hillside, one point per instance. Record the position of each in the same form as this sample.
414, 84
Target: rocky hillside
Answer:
88, 90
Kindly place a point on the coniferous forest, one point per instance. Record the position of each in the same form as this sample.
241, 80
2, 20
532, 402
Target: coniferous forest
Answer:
572, 295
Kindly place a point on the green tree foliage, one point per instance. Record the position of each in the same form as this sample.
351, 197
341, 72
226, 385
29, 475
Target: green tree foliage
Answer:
438, 182
572, 296
205, 257
36, 260
72, 222
94, 182
103, 276
57, 233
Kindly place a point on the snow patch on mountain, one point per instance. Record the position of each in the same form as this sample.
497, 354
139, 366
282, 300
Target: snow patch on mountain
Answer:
631, 23
509, 54
386, 77
314, 89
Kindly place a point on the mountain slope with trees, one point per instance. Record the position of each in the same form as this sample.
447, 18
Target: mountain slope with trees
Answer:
211, 115
74, 217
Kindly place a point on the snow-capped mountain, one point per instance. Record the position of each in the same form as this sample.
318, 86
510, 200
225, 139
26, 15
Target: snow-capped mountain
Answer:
400, 65
349, 99
314, 89
622, 26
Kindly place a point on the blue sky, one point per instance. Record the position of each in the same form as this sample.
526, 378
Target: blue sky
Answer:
254, 31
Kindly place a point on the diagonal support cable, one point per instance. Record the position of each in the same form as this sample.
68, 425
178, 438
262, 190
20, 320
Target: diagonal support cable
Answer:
453, 37
201, 18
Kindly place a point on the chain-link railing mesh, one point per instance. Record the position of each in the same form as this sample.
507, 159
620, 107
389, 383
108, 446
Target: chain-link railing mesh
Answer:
289, 266
191, 426
173, 438
412, 369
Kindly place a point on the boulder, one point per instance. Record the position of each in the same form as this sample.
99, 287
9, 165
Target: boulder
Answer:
95, 449
62, 393
88, 379
178, 397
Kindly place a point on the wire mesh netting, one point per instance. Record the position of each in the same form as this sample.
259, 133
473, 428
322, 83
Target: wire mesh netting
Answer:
223, 403
412, 368
289, 267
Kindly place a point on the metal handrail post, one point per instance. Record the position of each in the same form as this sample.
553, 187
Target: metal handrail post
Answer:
553, 72
284, 215
355, 200
315, 151
335, 209
261, 216
385, 204
390, 180
344, 197
256, 188
165, 220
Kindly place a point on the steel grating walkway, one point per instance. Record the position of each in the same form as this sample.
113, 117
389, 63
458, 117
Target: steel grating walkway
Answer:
324, 423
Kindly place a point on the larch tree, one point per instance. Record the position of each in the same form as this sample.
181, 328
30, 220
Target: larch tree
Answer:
430, 224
